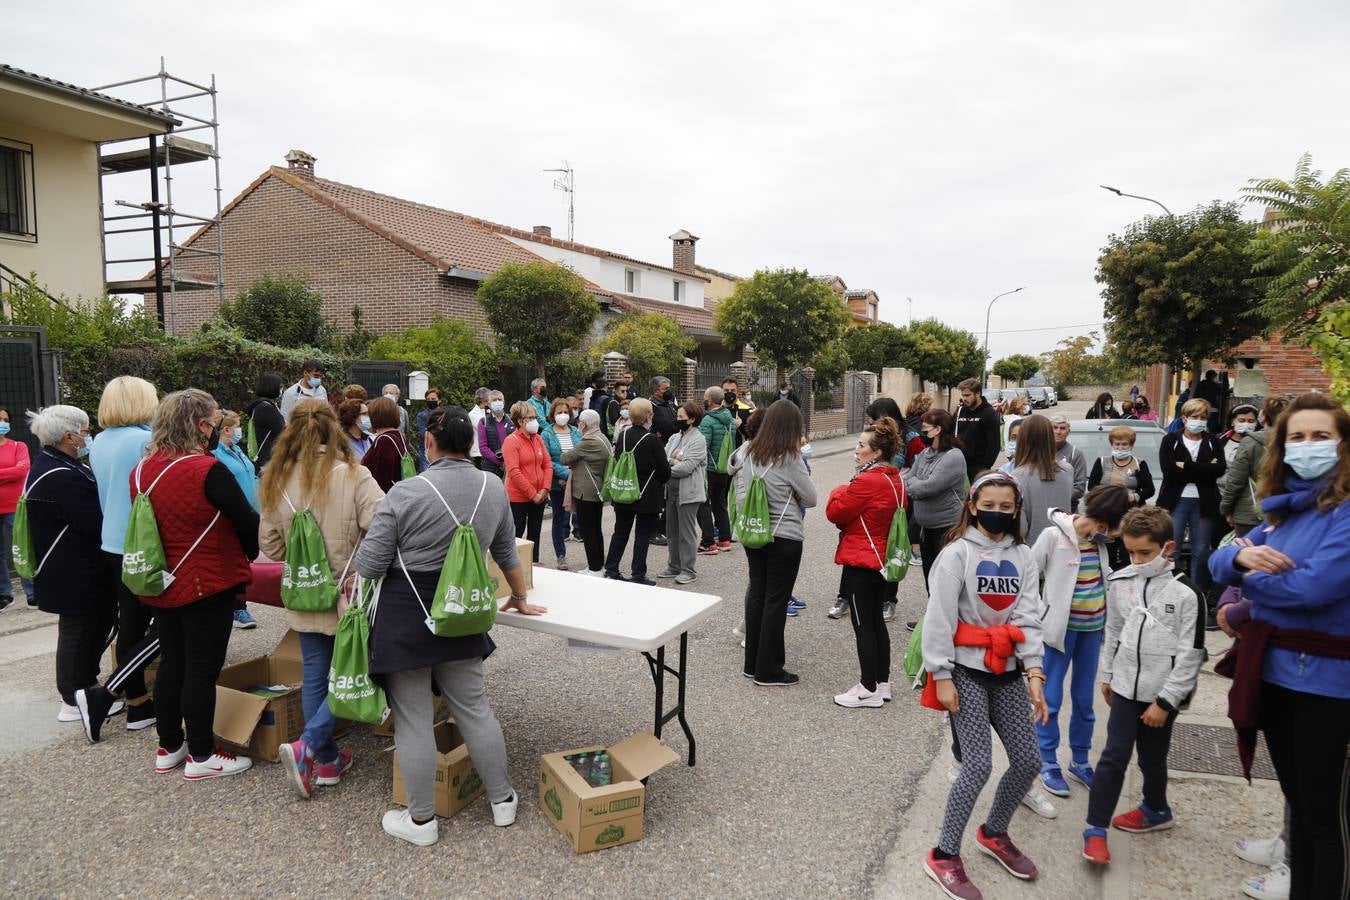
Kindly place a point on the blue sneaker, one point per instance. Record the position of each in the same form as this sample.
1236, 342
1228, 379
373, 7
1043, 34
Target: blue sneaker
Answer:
1081, 773
644, 580
1054, 782
792, 611
794, 602
244, 619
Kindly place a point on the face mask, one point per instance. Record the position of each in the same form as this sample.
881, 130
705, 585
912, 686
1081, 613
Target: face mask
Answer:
782, 393
1244, 427
562, 418
1012, 448
1159, 565
623, 413
432, 403
315, 382
994, 522
928, 439
238, 433
532, 426
214, 440
1195, 426
393, 397
4, 428
806, 451
497, 406
731, 399
1099, 537
1121, 454
365, 423
1311, 459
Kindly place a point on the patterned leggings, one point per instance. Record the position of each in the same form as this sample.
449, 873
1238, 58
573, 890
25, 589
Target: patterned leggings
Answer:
1005, 705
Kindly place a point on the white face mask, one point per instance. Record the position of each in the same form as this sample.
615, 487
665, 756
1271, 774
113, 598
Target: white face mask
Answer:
562, 418
1196, 426
393, 397
365, 424
532, 426
1244, 427
1159, 565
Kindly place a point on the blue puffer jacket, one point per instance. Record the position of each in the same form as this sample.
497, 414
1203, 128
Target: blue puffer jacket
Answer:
555, 451
1315, 594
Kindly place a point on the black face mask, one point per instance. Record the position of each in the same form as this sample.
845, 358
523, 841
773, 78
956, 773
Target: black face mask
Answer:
432, 404
995, 522
926, 438
214, 441
731, 399
684, 425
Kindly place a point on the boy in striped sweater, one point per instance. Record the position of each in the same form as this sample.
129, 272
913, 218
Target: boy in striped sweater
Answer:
1072, 558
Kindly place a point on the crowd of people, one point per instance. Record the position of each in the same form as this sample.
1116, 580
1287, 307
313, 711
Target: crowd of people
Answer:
1029, 589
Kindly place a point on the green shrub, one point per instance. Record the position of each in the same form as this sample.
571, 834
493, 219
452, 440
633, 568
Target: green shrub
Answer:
453, 357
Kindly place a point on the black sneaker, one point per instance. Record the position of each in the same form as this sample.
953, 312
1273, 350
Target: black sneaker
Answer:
32, 604
659, 540
910, 626
786, 679
6, 603
614, 576
1211, 620
94, 703
139, 717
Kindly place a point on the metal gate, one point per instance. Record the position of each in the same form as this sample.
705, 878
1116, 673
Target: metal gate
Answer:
28, 377
857, 394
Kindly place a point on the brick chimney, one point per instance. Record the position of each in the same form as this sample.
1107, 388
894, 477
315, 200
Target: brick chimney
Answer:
301, 163
684, 251
543, 230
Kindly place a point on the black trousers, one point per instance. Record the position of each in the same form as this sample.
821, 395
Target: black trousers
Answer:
589, 515
80, 641
137, 640
714, 512
1307, 736
624, 519
1126, 732
930, 545
865, 590
773, 573
529, 519
193, 640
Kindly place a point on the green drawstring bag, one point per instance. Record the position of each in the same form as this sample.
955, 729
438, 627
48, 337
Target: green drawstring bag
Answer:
724, 452
621, 479
21, 550
751, 525
352, 693
465, 601
407, 465
306, 579
251, 438
896, 564
144, 566
913, 664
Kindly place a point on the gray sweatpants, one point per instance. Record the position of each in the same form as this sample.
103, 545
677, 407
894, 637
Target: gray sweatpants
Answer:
413, 705
682, 533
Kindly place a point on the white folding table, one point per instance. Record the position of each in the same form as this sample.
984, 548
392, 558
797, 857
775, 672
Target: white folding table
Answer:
625, 615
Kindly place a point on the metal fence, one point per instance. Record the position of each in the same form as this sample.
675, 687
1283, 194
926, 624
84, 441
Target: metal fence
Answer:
708, 375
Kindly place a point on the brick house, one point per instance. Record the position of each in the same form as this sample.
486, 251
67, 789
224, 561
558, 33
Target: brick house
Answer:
407, 263
1276, 368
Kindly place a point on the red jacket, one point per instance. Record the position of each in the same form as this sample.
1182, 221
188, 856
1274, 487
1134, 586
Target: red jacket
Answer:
529, 468
872, 496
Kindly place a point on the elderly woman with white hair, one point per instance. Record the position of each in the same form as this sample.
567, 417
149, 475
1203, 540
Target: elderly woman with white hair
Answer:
65, 526
587, 461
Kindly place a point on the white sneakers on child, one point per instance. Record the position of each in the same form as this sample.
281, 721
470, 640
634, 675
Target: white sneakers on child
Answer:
859, 696
504, 813
1274, 885
399, 823
1260, 851
1036, 801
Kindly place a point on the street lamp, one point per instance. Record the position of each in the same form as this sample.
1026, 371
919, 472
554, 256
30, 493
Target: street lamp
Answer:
1119, 193
984, 383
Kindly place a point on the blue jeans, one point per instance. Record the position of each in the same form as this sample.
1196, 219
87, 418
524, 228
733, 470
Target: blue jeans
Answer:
7, 537
1081, 650
562, 521
1187, 512
317, 652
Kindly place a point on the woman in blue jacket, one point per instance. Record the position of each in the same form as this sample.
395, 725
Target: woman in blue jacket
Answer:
1293, 670
559, 437
229, 450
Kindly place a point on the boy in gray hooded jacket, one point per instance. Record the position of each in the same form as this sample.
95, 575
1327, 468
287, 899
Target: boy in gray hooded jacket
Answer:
1154, 646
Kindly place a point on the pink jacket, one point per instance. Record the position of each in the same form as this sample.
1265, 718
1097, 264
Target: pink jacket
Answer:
14, 466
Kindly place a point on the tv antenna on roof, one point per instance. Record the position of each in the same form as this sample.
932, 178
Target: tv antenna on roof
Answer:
568, 184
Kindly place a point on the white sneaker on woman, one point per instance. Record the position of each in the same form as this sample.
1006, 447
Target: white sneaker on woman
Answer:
504, 813
884, 689
1274, 885
399, 824
859, 696
1036, 801
1261, 851
217, 765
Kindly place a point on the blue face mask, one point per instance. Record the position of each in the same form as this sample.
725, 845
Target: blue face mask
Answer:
1121, 454
365, 423
624, 413
806, 451
1011, 447
4, 428
315, 382
1195, 426
1311, 459
83, 450
497, 406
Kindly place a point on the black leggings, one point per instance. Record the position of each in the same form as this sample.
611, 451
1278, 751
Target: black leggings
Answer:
193, 640
714, 512
589, 513
773, 573
930, 544
137, 640
865, 590
529, 520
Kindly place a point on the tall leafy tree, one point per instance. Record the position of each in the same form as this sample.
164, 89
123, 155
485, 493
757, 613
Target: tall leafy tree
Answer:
448, 351
1073, 362
538, 309
281, 310
1018, 367
785, 314
653, 344
876, 347
942, 354
1179, 289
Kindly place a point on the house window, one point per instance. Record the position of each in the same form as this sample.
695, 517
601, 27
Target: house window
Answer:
16, 191
678, 293
630, 281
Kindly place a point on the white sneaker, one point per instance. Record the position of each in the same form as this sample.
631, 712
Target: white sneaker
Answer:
1266, 852
168, 760
399, 823
739, 631
68, 713
217, 765
1274, 885
504, 813
742, 643
1036, 801
596, 573
859, 696
954, 772
884, 689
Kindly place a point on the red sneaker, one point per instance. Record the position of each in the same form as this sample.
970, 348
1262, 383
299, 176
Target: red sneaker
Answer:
1140, 820
1095, 850
950, 875
328, 774
725, 546
1001, 848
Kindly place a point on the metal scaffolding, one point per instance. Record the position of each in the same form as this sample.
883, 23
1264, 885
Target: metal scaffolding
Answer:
159, 157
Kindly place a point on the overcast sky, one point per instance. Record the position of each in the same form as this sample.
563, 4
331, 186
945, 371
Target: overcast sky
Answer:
944, 153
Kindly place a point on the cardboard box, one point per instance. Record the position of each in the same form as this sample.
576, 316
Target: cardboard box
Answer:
525, 549
457, 781
254, 724
596, 818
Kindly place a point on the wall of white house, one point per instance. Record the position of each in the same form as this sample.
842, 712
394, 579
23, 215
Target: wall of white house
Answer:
609, 274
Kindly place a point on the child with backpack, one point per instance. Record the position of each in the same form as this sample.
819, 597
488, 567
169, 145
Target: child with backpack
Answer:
1155, 644
864, 510
981, 635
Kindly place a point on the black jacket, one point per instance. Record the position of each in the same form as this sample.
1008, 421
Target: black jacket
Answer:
267, 426
663, 418
1204, 471
1143, 477
653, 469
978, 430
75, 577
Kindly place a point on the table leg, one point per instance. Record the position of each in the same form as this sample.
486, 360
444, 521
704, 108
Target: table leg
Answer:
658, 667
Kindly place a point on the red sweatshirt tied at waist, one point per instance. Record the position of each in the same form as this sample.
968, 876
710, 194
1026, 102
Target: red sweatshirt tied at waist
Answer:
1001, 642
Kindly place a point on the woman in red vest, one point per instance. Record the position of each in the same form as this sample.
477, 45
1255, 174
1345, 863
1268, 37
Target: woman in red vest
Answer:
210, 532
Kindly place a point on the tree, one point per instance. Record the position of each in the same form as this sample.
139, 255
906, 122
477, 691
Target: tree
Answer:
876, 347
1073, 362
538, 309
654, 344
830, 363
280, 310
1332, 344
785, 314
1179, 289
943, 355
1018, 367
453, 357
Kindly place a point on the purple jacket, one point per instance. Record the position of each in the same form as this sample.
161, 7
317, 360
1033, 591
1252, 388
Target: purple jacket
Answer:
1240, 609
503, 428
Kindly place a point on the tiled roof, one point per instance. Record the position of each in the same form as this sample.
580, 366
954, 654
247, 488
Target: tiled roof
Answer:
692, 317
66, 87
855, 293
574, 246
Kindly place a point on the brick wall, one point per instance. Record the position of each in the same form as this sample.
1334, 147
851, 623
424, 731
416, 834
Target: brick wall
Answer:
1288, 368
277, 229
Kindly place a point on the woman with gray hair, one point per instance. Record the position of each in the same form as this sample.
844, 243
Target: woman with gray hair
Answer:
65, 525
587, 461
